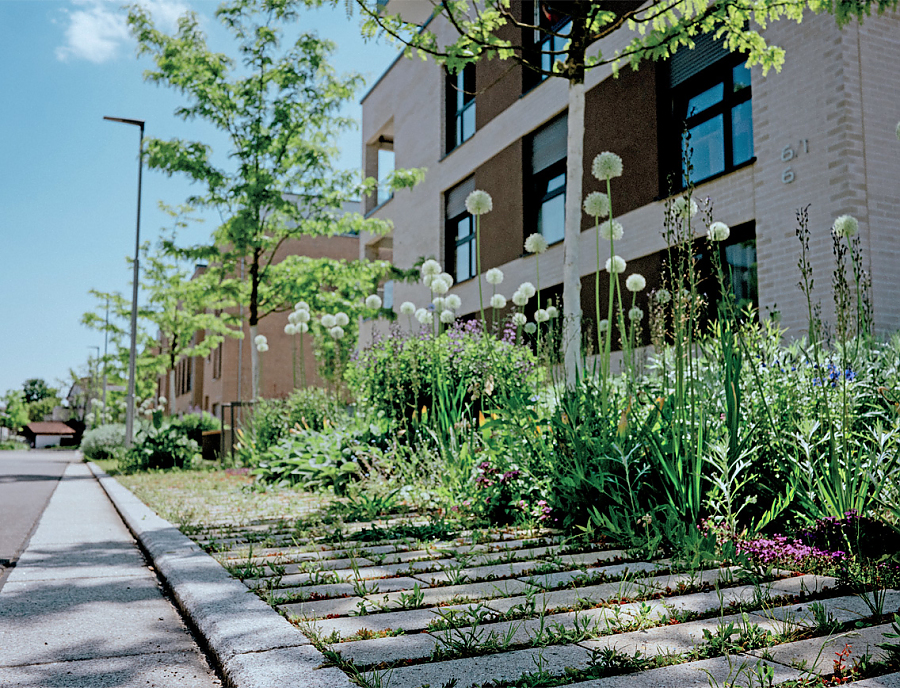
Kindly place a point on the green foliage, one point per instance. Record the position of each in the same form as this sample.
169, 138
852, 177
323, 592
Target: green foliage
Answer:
104, 442
159, 444
196, 422
15, 415
42, 407
35, 389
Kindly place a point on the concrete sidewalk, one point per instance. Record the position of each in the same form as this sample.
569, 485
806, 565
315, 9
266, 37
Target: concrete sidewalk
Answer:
82, 608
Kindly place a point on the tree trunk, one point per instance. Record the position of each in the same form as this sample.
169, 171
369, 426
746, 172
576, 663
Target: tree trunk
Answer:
254, 361
571, 268
170, 393
254, 321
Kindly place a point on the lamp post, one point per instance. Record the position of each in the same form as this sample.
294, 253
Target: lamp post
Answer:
129, 401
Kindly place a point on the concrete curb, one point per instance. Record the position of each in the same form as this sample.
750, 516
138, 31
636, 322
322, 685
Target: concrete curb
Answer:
254, 646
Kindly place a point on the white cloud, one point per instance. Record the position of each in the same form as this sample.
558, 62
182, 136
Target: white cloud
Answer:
96, 29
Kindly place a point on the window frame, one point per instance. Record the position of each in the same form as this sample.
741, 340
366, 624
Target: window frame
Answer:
456, 91
722, 72
454, 243
539, 181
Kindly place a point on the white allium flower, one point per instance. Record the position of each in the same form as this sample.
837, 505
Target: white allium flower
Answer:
89, 418
290, 329
596, 204
635, 313
431, 267
301, 306
611, 229
341, 319
541, 316
302, 327
635, 282
162, 401
407, 308
328, 321
423, 316
606, 166
498, 301
553, 311
681, 207
438, 303
603, 325
439, 286
719, 231
519, 319
447, 317
536, 243
262, 347
615, 265
479, 202
447, 277
259, 338
453, 302
302, 316
845, 226
663, 296
292, 318
530, 328
373, 301
494, 276
337, 332
528, 289
519, 298
427, 280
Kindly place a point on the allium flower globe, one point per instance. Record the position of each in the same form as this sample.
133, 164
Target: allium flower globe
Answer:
519, 319
260, 339
528, 289
719, 231
328, 321
663, 296
301, 306
162, 401
423, 316
606, 166
292, 318
447, 317
684, 209
302, 327
498, 301
530, 328
553, 311
611, 229
596, 204
407, 308
494, 276
519, 298
845, 226
262, 347
541, 316
290, 329
635, 283
427, 280
615, 265
536, 243
373, 301
438, 303
453, 302
479, 202
341, 319
439, 286
635, 314
431, 267
603, 325
337, 332
302, 316
447, 277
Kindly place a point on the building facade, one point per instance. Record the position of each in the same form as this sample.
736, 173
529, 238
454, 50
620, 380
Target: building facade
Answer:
819, 133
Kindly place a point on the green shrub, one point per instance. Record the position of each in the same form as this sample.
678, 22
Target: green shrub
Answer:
159, 444
104, 442
197, 422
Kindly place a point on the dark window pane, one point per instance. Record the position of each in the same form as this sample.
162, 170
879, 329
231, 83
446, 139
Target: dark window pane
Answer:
742, 133
741, 261
467, 123
741, 77
705, 100
464, 228
558, 182
552, 219
463, 261
708, 143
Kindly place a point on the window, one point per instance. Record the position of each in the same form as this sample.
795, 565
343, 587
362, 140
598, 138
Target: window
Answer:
385, 170
217, 362
551, 45
711, 102
460, 106
459, 228
739, 259
548, 179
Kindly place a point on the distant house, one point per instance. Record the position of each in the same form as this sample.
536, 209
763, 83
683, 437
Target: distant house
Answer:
48, 434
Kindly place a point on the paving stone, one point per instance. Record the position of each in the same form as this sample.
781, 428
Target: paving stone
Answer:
549, 581
470, 592
886, 681
592, 594
378, 651
341, 606
513, 554
838, 609
817, 654
374, 587
283, 667
475, 671
737, 671
364, 573
803, 585
592, 558
327, 564
673, 581
408, 620
477, 573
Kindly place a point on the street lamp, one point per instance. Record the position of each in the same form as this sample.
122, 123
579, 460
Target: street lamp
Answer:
129, 402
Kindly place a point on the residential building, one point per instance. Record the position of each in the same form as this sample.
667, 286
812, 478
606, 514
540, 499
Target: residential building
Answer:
821, 132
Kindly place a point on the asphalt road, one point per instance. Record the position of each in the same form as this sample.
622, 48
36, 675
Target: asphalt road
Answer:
27, 480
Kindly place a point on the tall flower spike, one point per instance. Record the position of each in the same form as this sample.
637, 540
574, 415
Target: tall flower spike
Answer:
635, 283
615, 265
407, 308
337, 332
479, 202
606, 166
536, 243
611, 229
431, 267
596, 204
498, 301
373, 301
845, 226
494, 276
719, 231
341, 319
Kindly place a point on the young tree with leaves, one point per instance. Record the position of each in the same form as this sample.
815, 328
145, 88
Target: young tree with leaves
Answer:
572, 29
279, 108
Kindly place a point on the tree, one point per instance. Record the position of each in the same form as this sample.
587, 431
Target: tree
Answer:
36, 389
15, 414
659, 26
280, 111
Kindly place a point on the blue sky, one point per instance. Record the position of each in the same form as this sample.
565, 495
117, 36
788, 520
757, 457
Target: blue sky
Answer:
68, 179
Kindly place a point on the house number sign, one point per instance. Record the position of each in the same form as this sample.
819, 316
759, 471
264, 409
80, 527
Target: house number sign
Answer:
787, 154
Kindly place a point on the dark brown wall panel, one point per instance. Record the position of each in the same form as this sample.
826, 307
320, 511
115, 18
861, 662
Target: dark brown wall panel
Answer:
621, 116
501, 229
499, 82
